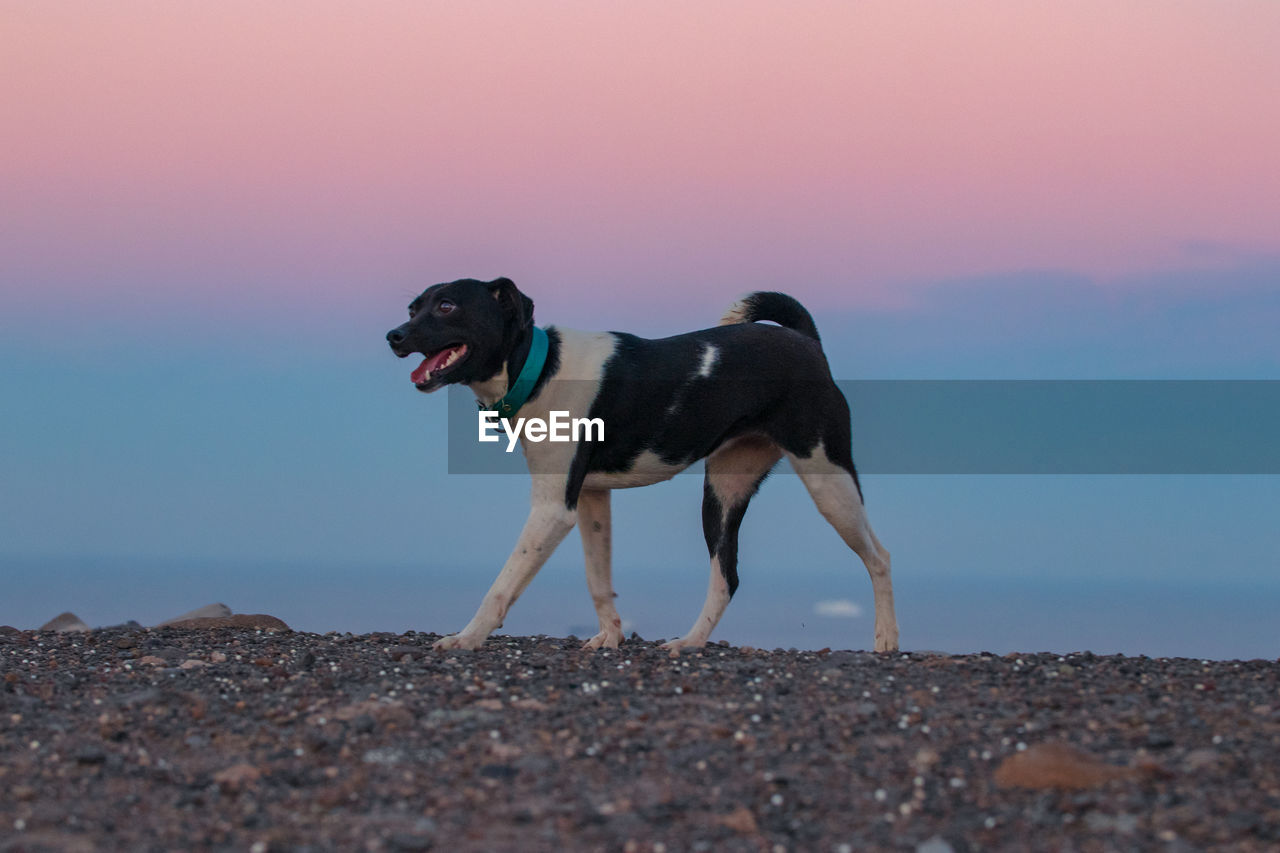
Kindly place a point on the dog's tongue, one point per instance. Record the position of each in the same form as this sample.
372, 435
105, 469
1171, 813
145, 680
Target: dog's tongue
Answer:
422, 372
430, 365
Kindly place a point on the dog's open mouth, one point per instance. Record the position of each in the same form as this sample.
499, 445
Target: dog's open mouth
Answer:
436, 365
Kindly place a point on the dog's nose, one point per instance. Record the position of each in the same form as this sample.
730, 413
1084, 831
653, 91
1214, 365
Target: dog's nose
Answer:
395, 337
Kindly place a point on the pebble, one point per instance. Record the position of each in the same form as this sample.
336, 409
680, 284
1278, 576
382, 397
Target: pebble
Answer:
209, 611
936, 844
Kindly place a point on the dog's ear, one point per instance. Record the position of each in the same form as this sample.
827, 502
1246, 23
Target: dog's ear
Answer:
515, 304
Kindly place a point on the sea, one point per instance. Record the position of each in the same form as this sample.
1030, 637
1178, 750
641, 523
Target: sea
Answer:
775, 608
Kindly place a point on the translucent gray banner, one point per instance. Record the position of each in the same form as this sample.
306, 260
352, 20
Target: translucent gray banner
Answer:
1009, 427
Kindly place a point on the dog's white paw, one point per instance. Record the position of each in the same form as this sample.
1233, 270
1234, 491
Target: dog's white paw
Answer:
887, 641
604, 640
686, 642
458, 641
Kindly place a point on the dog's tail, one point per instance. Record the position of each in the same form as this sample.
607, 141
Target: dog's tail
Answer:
774, 307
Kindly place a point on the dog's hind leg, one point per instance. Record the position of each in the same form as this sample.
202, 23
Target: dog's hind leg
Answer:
734, 473
836, 493
594, 525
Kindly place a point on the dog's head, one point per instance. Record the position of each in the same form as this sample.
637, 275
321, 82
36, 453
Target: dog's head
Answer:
465, 329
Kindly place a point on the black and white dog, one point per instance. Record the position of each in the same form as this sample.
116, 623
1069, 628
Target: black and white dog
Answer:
741, 395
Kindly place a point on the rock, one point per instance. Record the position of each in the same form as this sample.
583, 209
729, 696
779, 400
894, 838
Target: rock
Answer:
1057, 765
741, 821
1101, 822
260, 621
401, 652
151, 660
192, 663
237, 777
409, 842
65, 622
367, 715
9, 630
936, 844
209, 611
91, 755
1198, 760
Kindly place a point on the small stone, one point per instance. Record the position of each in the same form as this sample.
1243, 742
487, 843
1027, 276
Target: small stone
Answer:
924, 759
151, 660
91, 755
741, 821
259, 621
1202, 759
936, 844
1100, 822
401, 652
406, 842
209, 611
65, 622
237, 777
1057, 765
192, 664
498, 771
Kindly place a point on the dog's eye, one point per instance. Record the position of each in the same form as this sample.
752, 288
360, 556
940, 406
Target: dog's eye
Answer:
445, 307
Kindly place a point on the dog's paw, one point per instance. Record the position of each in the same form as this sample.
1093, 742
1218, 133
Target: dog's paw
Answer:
458, 641
604, 640
676, 646
886, 641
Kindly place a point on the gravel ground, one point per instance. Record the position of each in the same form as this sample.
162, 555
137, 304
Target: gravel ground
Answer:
254, 740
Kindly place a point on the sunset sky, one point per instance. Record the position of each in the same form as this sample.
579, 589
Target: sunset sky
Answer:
211, 213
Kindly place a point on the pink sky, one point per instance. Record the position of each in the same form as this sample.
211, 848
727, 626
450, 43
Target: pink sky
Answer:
273, 149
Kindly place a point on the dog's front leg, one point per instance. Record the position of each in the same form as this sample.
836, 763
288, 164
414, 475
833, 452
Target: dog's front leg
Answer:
549, 522
594, 524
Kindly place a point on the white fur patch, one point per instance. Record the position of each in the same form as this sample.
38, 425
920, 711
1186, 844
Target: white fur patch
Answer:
709, 356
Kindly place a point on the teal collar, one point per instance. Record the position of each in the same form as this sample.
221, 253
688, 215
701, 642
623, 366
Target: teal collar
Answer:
518, 394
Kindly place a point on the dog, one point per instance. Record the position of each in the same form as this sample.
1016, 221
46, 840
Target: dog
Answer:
740, 395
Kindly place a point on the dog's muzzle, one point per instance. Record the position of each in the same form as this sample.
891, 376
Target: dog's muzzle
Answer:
395, 338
